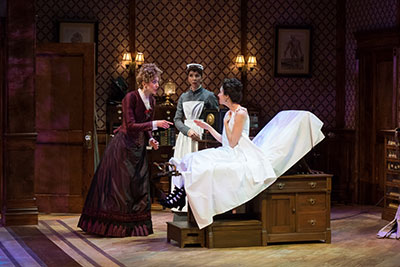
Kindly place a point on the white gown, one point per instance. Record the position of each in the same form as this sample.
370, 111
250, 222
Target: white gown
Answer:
219, 179
184, 144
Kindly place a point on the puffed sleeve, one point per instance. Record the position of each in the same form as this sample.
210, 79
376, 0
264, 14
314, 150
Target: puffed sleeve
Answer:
128, 108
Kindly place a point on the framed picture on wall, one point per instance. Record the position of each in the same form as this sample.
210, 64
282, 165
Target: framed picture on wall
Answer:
71, 31
293, 51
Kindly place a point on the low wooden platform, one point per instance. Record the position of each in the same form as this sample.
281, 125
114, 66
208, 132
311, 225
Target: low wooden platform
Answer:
234, 233
185, 233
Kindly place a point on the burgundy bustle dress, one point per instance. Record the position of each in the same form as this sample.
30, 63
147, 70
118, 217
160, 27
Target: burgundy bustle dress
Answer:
118, 202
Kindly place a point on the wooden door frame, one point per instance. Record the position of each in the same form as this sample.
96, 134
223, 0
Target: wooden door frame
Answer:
367, 43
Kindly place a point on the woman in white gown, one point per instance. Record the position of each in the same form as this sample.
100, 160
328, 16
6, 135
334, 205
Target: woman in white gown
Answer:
219, 179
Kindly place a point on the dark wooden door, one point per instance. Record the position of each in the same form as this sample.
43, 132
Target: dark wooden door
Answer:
64, 155
375, 113
281, 213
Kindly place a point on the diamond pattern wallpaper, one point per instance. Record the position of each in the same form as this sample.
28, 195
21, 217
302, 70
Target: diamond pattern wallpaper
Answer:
113, 37
271, 94
362, 15
174, 33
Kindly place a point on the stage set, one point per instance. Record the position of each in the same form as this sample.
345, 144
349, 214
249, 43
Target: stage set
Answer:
314, 177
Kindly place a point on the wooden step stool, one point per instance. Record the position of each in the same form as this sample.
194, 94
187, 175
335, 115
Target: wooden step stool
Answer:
234, 233
185, 233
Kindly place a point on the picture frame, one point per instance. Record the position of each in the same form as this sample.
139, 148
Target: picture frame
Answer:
79, 31
293, 51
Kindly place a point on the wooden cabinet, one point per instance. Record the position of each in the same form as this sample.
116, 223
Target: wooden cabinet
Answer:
159, 184
166, 138
296, 208
113, 116
391, 175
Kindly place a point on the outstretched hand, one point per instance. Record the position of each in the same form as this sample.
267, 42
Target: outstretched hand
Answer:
202, 124
164, 124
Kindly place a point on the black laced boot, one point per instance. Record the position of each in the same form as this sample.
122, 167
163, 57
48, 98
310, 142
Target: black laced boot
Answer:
177, 199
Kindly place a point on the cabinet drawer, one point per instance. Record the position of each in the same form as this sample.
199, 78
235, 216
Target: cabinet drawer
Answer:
311, 202
311, 221
298, 186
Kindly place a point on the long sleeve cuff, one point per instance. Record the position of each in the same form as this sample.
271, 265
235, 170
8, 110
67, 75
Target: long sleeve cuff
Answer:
154, 123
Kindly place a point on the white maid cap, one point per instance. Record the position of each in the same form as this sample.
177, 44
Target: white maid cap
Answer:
195, 65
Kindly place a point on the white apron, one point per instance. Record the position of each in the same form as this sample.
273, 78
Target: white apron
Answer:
184, 144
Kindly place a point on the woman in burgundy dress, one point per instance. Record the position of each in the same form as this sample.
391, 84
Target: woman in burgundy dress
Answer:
118, 202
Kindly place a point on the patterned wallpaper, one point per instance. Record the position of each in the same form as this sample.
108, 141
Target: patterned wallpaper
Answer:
113, 36
317, 93
362, 15
172, 33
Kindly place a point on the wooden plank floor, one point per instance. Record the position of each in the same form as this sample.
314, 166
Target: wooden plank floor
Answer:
354, 243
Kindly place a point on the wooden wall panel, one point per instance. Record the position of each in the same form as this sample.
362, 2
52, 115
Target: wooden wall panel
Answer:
2, 96
18, 130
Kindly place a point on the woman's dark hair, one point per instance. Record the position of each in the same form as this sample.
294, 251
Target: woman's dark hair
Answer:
195, 68
233, 88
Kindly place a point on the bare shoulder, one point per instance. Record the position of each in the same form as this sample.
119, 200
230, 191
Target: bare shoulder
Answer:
241, 112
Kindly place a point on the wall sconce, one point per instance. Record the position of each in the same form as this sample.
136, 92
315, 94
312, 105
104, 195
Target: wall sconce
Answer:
139, 59
129, 64
169, 89
251, 63
241, 63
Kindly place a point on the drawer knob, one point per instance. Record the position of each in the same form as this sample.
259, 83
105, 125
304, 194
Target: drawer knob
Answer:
312, 184
281, 186
312, 222
312, 201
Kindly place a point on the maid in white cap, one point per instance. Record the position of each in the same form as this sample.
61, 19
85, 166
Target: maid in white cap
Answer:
191, 104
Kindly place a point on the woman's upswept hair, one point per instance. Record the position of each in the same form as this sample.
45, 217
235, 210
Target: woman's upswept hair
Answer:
147, 73
233, 88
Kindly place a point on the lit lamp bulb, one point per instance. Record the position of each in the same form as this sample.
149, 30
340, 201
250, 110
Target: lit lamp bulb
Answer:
126, 60
240, 62
139, 59
169, 89
251, 62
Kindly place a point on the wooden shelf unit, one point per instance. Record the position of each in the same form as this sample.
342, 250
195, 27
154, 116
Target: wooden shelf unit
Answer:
391, 175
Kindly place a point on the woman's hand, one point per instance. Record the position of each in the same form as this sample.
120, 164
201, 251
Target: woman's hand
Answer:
194, 135
202, 124
153, 143
163, 124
